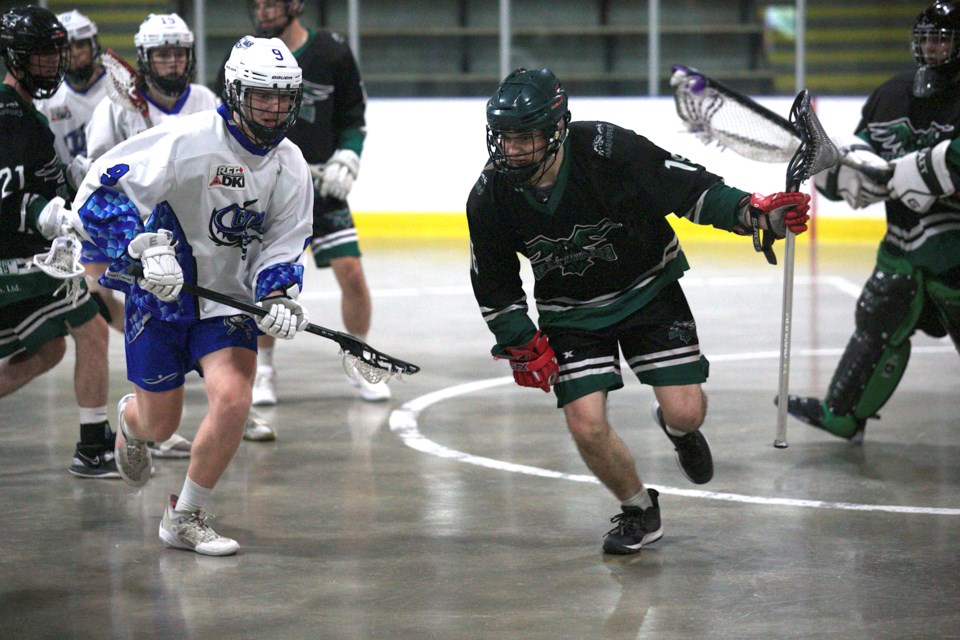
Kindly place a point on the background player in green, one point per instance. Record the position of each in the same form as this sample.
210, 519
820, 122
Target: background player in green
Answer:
34, 318
913, 119
585, 203
330, 131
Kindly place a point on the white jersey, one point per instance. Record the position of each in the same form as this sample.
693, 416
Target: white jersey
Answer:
69, 111
241, 219
111, 124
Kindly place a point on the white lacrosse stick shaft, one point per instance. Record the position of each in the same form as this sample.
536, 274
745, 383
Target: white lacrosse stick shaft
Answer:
789, 253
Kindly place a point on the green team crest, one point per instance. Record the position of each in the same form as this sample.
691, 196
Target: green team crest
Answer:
574, 254
899, 137
682, 330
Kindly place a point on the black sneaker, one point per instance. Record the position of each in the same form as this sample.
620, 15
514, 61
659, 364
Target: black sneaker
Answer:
811, 411
94, 461
635, 528
693, 452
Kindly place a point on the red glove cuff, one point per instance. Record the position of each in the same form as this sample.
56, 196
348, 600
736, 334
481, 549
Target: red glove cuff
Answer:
535, 363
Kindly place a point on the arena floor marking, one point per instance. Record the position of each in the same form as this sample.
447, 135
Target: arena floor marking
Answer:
404, 421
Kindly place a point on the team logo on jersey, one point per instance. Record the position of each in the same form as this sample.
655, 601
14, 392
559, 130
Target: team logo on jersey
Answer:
574, 254
682, 330
236, 226
899, 137
312, 94
60, 113
227, 176
603, 143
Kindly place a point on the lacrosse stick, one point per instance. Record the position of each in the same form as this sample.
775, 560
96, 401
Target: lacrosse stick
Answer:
814, 154
62, 262
716, 113
372, 365
122, 84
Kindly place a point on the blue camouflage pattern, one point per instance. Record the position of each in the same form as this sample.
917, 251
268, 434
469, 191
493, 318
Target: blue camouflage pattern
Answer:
279, 277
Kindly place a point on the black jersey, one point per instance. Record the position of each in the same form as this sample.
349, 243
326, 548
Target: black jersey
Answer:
896, 123
30, 175
600, 246
332, 114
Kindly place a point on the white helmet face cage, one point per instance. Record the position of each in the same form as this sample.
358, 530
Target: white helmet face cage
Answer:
263, 87
165, 30
79, 29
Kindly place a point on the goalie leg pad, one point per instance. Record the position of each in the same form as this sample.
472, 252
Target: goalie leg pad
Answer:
875, 357
947, 302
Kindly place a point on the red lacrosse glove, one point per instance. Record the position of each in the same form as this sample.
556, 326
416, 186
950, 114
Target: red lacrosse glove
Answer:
782, 210
534, 364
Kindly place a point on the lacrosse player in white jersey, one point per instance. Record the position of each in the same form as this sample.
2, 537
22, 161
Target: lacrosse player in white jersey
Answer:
69, 110
222, 200
167, 66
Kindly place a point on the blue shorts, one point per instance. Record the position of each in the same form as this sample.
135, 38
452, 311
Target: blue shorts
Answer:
162, 353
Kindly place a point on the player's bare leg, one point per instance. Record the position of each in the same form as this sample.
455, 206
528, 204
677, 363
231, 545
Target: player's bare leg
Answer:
18, 370
111, 300
91, 370
357, 308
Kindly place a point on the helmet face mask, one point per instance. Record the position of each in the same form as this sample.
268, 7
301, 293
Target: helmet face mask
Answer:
160, 41
936, 48
271, 17
263, 88
84, 46
35, 49
526, 125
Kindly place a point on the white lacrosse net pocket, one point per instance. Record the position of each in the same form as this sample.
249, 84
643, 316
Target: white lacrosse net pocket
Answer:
62, 262
354, 367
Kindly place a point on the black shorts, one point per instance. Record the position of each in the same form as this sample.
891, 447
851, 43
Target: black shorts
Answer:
659, 343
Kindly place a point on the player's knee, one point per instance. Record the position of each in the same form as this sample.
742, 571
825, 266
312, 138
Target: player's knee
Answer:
49, 355
686, 416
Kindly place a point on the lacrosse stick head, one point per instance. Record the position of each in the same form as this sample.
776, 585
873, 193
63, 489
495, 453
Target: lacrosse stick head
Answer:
715, 113
62, 262
122, 83
354, 366
816, 151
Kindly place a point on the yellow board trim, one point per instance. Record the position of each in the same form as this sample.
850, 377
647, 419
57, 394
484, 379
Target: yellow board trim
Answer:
434, 226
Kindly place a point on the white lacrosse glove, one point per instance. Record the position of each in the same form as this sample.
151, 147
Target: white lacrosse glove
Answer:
847, 182
316, 171
922, 177
285, 317
162, 275
56, 220
76, 171
339, 173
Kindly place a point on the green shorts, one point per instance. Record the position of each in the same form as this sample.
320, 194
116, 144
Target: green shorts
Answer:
334, 235
659, 343
31, 315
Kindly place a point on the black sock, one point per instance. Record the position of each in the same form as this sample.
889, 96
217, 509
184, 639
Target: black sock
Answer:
97, 433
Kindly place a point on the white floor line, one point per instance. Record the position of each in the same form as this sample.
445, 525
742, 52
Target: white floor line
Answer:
404, 421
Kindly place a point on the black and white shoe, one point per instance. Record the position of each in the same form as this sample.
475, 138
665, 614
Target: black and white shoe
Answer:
635, 527
693, 451
94, 461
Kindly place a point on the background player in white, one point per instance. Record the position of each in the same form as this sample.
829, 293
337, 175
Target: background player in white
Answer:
223, 200
69, 110
166, 61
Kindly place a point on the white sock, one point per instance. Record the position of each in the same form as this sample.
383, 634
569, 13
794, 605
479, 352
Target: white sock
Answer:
639, 499
93, 415
265, 357
193, 497
674, 432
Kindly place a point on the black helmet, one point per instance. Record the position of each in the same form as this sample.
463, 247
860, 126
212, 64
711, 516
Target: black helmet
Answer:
26, 31
527, 102
937, 26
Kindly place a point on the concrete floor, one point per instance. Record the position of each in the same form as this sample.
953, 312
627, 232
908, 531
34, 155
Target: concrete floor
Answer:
461, 510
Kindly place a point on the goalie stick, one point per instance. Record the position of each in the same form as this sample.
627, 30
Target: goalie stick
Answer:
122, 83
371, 364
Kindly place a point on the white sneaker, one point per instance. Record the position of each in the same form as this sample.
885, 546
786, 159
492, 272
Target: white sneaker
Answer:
189, 530
132, 455
258, 430
174, 447
265, 386
369, 391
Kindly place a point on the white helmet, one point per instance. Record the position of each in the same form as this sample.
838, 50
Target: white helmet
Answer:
165, 30
262, 66
78, 26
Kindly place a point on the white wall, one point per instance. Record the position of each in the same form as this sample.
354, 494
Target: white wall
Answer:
423, 155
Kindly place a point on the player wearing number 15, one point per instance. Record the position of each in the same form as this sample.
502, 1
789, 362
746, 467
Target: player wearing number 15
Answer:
222, 200
585, 203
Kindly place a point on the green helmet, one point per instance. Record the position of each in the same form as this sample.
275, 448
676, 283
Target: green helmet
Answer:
526, 102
